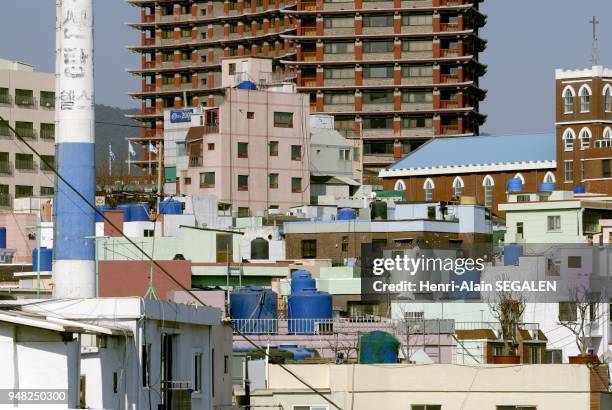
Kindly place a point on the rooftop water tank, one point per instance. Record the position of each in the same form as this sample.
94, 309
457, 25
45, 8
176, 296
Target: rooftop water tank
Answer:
378, 211
512, 253
247, 85
310, 312
260, 249
139, 213
547, 187
46, 259
171, 207
378, 347
515, 185
2, 237
301, 280
347, 214
580, 189
102, 208
127, 212
251, 304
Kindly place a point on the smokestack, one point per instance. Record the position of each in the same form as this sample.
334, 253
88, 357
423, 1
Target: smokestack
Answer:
74, 222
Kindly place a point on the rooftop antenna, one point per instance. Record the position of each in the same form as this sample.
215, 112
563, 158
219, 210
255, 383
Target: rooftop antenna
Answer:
595, 47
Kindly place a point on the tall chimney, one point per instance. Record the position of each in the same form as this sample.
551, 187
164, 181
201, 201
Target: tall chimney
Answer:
74, 220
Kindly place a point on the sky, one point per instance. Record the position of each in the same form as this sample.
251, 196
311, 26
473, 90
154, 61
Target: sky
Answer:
527, 41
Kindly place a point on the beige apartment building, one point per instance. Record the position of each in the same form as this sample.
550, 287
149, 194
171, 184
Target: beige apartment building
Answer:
436, 387
27, 103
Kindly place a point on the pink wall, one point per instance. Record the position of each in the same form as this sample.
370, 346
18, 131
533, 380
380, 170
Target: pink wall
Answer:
17, 235
131, 278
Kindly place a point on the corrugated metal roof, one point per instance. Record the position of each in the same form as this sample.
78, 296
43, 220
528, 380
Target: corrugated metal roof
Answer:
487, 149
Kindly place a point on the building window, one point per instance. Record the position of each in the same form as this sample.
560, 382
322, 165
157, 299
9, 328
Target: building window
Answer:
339, 48
211, 147
605, 168
273, 148
345, 154
207, 180
585, 138
47, 99
380, 20
24, 161
296, 152
428, 188
606, 141
339, 98
568, 100
377, 123
458, 187
417, 20
568, 312
417, 122
296, 185
488, 185
47, 162
339, 22
47, 191
309, 249
608, 99
520, 228
197, 372
417, 97
273, 181
243, 182
574, 262
243, 150
417, 71
381, 71
24, 97
568, 170
187, 181
5, 97
378, 97
417, 45
250, 115
585, 99
553, 223
47, 131
377, 46
549, 178
23, 191
400, 185
340, 73
283, 119
568, 139
24, 129
243, 212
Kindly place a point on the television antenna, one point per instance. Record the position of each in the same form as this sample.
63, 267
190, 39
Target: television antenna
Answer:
595, 46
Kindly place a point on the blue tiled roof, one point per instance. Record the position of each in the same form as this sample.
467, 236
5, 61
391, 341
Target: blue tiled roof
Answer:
486, 149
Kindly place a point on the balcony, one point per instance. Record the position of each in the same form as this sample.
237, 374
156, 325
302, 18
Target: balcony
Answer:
308, 82
6, 168
6, 200
148, 42
373, 5
378, 132
449, 104
339, 107
5, 99
409, 4
449, 78
25, 101
450, 3
195, 162
449, 129
449, 27
340, 31
25, 164
148, 18
308, 31
378, 107
309, 56
26, 133
149, 111
449, 52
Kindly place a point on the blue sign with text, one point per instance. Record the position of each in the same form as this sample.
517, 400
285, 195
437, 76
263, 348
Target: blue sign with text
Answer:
183, 115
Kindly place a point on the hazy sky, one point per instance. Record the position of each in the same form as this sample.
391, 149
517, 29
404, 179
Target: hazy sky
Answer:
527, 40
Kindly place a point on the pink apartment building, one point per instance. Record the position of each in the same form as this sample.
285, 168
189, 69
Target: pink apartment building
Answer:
251, 149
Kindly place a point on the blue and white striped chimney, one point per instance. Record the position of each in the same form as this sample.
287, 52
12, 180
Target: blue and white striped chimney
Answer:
74, 222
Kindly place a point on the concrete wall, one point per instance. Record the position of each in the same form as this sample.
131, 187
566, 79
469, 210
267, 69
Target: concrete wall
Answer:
18, 236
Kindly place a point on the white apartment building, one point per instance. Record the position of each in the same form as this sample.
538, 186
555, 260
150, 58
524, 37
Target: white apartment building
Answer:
27, 103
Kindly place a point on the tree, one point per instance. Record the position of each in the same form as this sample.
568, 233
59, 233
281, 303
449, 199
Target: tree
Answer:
508, 310
577, 315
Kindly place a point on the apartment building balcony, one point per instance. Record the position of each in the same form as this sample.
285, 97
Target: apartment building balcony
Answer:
6, 168
449, 78
416, 55
450, 104
148, 42
416, 80
451, 3
377, 132
378, 30
411, 4
6, 200
386, 107
340, 31
377, 5
335, 57
378, 82
407, 106
449, 27
449, 129
377, 56
449, 53
418, 132
417, 29
377, 159
339, 108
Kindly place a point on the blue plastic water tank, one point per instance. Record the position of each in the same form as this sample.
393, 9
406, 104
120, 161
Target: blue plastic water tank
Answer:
254, 302
515, 185
308, 307
2, 237
347, 214
139, 212
547, 187
247, 85
46, 259
301, 280
470, 277
580, 189
102, 208
512, 253
171, 207
127, 212
378, 347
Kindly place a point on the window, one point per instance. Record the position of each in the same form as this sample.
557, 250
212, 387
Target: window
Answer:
339, 48
606, 141
47, 191
211, 146
378, 97
345, 243
339, 22
377, 123
488, 185
378, 72
24, 97
426, 407
417, 97
47, 99
568, 100
283, 119
273, 181
428, 187
339, 73
273, 147
400, 185
381, 20
607, 97
605, 168
554, 356
549, 178
22, 191
146, 364
417, 45
24, 161
5, 97
24, 129
574, 262
339, 98
250, 115
243, 150
48, 159
226, 364
585, 138
377, 46
568, 170
309, 248
296, 152
568, 311
207, 180
568, 138
345, 154
417, 20
431, 212
585, 99
243, 212
148, 233
553, 223
243, 182
187, 180
458, 187
417, 71
197, 372
520, 228
296, 185
516, 408
47, 131
417, 122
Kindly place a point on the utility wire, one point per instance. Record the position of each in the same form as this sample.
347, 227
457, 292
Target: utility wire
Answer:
156, 264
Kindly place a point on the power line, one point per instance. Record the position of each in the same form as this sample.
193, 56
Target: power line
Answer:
156, 264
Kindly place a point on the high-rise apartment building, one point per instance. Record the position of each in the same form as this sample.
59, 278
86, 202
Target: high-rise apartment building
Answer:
393, 72
181, 47
27, 104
